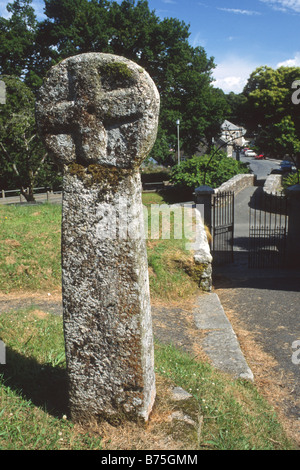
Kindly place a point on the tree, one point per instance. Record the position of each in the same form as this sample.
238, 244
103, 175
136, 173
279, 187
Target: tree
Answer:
269, 111
183, 74
23, 159
202, 170
74, 26
18, 41
237, 108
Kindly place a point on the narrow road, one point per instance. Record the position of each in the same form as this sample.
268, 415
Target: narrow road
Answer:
241, 218
263, 307
261, 168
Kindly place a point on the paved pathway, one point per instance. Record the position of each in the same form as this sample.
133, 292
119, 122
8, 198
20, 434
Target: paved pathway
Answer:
266, 303
241, 218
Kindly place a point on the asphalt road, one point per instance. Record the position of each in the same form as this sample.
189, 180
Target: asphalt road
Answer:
265, 302
261, 168
241, 218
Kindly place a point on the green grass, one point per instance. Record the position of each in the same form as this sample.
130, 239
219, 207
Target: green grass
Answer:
33, 397
30, 247
170, 263
33, 405
235, 416
30, 253
33, 386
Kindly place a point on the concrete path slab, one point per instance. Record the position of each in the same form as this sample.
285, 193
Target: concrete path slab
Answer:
220, 343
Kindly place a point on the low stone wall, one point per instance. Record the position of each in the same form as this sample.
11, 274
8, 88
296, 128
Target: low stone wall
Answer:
237, 183
272, 192
202, 256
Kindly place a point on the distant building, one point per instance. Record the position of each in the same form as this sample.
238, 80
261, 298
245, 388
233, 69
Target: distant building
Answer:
231, 135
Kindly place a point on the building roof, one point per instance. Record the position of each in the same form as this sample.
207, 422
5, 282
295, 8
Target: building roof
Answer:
227, 125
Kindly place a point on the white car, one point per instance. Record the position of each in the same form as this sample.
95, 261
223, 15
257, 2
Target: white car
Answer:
250, 153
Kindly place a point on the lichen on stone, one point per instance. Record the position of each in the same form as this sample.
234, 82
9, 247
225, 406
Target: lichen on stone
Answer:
116, 73
99, 175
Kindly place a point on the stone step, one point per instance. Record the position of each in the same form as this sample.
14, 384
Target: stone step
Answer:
220, 343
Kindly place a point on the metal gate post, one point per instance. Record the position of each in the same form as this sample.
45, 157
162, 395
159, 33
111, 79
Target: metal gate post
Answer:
204, 198
268, 224
223, 227
293, 245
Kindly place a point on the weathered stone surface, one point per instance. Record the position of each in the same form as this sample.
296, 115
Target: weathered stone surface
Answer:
98, 109
98, 115
220, 343
179, 394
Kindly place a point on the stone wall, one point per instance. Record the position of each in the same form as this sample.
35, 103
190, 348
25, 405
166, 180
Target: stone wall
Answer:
202, 255
273, 184
237, 183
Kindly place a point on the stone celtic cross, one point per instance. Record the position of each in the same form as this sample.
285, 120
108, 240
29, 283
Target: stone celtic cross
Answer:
98, 116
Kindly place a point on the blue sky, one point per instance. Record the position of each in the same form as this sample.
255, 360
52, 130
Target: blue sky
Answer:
240, 34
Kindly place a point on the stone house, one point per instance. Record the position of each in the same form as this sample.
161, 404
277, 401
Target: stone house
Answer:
231, 135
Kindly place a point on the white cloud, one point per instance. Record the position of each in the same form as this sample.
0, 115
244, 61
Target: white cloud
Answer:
234, 71
295, 62
240, 12
3, 11
39, 9
232, 74
38, 6
284, 5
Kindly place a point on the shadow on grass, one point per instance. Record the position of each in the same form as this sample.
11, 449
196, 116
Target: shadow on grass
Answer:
176, 195
43, 385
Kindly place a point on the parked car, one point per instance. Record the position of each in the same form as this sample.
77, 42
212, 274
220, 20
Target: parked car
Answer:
260, 157
286, 165
250, 153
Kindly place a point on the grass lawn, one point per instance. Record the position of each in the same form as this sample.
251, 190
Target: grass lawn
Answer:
226, 414
30, 247
30, 253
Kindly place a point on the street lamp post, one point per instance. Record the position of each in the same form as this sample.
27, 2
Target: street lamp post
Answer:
178, 124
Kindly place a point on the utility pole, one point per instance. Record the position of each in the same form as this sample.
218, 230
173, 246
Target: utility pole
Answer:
178, 125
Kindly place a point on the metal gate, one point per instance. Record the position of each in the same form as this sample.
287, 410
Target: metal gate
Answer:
268, 228
222, 227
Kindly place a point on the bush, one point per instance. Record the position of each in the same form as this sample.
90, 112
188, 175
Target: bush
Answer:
198, 171
155, 175
291, 179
